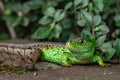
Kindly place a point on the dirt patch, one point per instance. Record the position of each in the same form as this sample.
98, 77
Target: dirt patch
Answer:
77, 72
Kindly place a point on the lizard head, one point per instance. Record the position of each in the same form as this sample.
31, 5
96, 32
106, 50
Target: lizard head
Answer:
79, 45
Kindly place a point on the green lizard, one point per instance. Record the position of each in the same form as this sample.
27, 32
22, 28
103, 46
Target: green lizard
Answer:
59, 55
75, 52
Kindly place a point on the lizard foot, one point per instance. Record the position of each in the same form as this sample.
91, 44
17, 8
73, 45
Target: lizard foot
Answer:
104, 64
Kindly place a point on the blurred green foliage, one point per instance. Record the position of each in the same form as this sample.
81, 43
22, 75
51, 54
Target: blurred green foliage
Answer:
60, 20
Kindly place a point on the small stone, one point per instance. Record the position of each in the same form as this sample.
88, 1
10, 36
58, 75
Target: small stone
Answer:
35, 74
104, 73
46, 66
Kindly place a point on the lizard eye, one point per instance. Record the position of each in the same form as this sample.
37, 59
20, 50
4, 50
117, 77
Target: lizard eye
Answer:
82, 41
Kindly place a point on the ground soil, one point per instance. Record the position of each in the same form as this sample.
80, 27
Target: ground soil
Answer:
77, 72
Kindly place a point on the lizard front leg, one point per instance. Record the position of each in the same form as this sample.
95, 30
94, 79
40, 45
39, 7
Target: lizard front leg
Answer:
65, 60
99, 60
68, 59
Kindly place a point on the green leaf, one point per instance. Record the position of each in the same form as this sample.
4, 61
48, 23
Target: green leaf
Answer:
16, 7
45, 20
117, 20
66, 35
35, 4
96, 20
108, 50
57, 30
90, 7
52, 25
116, 32
117, 47
110, 2
16, 22
12, 21
42, 32
59, 15
99, 4
8, 11
50, 11
85, 32
105, 46
85, 3
104, 29
68, 5
33, 18
88, 17
4, 36
117, 23
66, 23
100, 40
77, 2
25, 21
81, 22
25, 8
110, 54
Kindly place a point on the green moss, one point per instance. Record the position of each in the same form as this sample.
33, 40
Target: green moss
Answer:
9, 69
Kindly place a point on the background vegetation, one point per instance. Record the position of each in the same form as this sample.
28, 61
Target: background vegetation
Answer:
60, 20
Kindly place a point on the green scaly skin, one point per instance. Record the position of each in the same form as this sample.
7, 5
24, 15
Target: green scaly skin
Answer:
75, 52
58, 55
83, 50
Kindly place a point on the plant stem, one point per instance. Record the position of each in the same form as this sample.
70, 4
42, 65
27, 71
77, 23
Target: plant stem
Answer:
93, 33
10, 28
74, 21
11, 31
